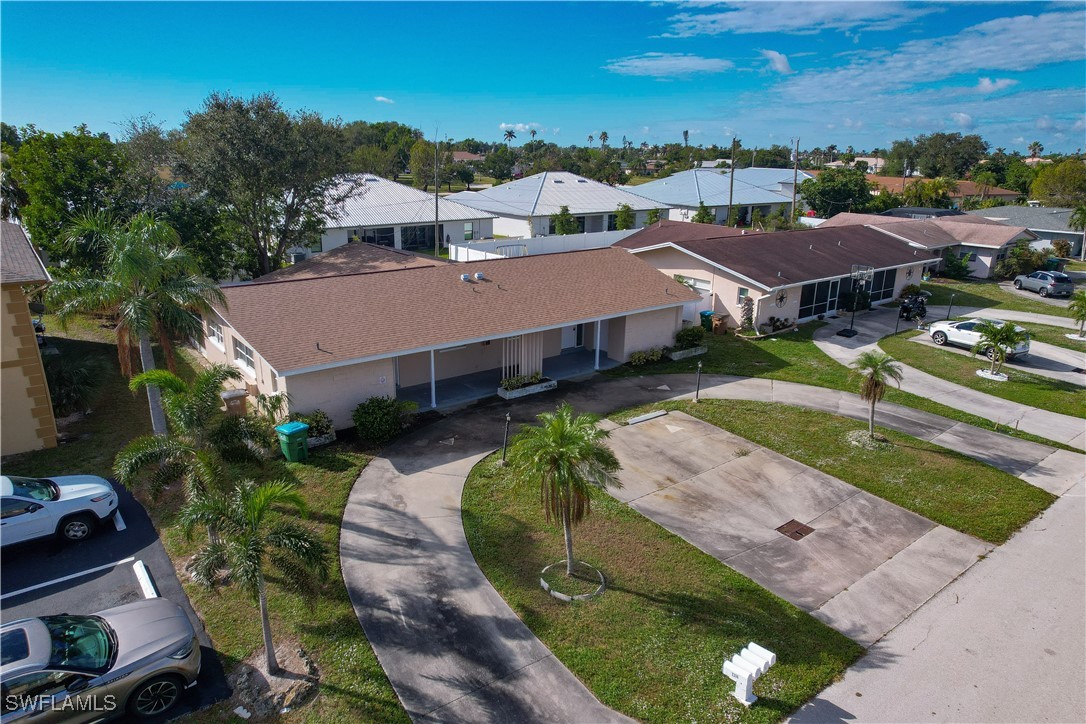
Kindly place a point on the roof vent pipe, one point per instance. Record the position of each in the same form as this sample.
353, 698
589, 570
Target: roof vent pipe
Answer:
465, 277
810, 248
778, 273
479, 276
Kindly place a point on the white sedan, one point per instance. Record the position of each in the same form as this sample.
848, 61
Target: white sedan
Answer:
965, 334
68, 506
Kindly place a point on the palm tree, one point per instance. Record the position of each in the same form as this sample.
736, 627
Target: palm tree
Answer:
200, 436
591, 138
149, 285
510, 134
251, 537
1078, 223
1077, 307
878, 370
1035, 149
996, 340
532, 133
877, 153
604, 138
566, 455
686, 138
986, 180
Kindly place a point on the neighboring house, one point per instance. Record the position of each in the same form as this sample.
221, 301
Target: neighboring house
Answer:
388, 213
524, 207
354, 258
441, 335
965, 188
719, 163
796, 275
686, 190
27, 422
1049, 224
982, 241
468, 158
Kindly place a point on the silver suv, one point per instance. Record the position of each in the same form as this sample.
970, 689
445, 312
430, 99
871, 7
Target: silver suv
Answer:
134, 659
1046, 283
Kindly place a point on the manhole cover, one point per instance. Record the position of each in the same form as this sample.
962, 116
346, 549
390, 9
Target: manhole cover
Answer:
795, 530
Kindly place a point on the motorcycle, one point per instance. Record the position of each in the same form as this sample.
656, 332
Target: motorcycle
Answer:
914, 307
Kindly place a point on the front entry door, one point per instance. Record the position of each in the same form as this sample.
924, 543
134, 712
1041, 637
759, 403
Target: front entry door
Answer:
573, 336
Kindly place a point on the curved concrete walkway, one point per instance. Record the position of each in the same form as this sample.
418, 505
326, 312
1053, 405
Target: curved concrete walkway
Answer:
876, 324
452, 648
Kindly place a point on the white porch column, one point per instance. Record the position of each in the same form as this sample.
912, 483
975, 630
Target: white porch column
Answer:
599, 323
433, 382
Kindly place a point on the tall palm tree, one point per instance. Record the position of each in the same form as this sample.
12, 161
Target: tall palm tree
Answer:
686, 138
1077, 307
996, 340
510, 134
1035, 149
532, 133
591, 138
604, 138
566, 455
200, 436
252, 536
150, 286
878, 369
985, 180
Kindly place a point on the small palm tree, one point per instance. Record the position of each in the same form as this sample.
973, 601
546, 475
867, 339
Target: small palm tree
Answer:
1078, 219
566, 455
996, 340
251, 537
878, 369
1077, 307
985, 180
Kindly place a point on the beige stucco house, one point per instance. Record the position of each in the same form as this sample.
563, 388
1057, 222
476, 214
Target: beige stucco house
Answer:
794, 275
440, 334
26, 412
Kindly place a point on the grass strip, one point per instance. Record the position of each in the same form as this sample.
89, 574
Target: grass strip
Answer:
652, 645
940, 484
984, 294
1024, 388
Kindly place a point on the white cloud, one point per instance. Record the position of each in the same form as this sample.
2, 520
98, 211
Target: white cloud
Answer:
382, 99
963, 121
794, 18
778, 62
520, 127
667, 65
987, 85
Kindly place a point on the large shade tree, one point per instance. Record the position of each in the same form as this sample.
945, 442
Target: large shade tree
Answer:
252, 535
877, 370
148, 285
565, 455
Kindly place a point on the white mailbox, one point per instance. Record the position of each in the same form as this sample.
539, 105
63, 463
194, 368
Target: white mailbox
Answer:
747, 666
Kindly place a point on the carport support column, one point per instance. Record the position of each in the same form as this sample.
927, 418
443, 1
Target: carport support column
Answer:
599, 323
433, 382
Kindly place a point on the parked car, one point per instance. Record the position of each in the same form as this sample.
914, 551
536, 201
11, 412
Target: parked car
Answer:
68, 506
964, 334
1046, 283
134, 659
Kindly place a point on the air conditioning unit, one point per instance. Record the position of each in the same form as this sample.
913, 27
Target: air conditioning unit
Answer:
297, 256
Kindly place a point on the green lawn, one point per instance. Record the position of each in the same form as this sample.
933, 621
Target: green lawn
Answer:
353, 685
1075, 266
986, 294
940, 484
652, 645
794, 357
1053, 335
1022, 387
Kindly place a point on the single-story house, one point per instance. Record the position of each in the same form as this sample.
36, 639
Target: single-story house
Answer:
1049, 224
795, 275
27, 409
524, 207
965, 189
381, 211
468, 157
355, 258
441, 335
685, 191
983, 242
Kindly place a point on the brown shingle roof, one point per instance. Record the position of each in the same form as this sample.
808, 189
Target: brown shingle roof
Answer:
940, 232
783, 258
667, 230
364, 316
356, 258
19, 262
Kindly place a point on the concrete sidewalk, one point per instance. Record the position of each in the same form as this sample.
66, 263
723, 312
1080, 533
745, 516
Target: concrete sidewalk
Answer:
452, 648
876, 324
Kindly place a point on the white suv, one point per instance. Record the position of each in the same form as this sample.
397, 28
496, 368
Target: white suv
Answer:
68, 506
965, 334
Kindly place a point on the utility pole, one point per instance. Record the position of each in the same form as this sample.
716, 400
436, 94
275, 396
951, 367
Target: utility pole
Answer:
437, 215
731, 184
795, 178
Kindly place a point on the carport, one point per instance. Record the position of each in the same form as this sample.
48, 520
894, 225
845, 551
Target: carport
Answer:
853, 560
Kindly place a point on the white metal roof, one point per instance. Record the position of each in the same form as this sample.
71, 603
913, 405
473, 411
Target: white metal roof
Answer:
709, 186
770, 178
381, 202
543, 194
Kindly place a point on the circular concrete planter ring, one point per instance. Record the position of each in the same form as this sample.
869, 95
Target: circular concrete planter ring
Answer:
566, 597
997, 377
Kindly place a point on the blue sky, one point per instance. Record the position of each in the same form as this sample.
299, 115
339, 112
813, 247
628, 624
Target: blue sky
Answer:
846, 73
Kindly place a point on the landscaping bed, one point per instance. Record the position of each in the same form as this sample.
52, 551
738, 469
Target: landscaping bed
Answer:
652, 645
940, 484
1023, 387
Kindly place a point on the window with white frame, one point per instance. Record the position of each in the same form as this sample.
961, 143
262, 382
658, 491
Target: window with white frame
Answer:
214, 334
243, 356
743, 294
469, 230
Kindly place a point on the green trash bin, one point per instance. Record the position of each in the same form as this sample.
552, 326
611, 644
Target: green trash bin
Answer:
293, 437
707, 321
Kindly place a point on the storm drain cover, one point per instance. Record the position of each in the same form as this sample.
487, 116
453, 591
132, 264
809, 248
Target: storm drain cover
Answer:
795, 530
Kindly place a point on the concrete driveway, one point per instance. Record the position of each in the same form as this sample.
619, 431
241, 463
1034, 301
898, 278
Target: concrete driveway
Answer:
867, 565
1054, 301
1046, 360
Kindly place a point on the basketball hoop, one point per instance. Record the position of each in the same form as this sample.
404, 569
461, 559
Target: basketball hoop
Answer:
861, 276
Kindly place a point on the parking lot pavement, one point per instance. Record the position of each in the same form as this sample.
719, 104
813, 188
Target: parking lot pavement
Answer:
48, 577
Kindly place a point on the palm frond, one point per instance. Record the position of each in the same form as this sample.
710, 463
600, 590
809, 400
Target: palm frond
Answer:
207, 563
166, 381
